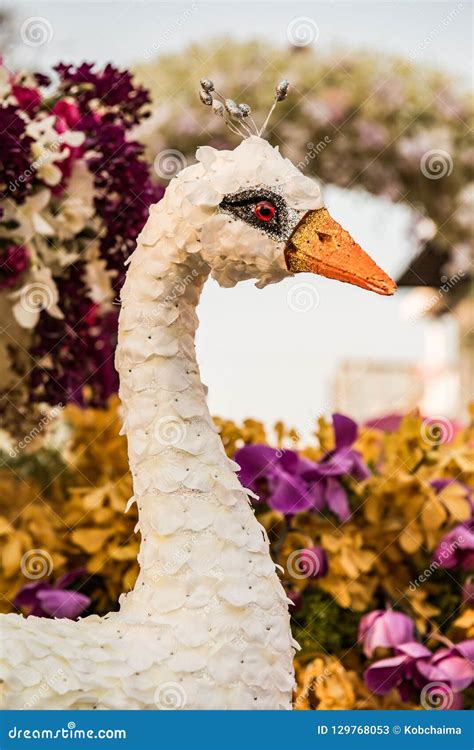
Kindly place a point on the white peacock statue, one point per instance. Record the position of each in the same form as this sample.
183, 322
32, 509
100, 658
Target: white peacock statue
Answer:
206, 625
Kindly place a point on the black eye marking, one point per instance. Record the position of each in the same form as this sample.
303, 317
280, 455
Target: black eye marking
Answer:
259, 207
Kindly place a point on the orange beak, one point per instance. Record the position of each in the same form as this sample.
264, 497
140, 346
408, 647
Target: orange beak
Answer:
320, 245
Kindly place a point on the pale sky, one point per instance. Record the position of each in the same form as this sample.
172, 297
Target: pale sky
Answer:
259, 357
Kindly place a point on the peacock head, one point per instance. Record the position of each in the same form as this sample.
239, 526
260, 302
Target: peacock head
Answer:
254, 215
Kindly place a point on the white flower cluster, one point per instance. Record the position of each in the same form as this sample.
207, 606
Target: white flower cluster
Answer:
48, 224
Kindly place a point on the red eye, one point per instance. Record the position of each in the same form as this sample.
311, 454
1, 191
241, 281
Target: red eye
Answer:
264, 211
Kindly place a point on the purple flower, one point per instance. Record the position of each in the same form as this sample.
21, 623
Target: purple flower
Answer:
344, 459
83, 337
44, 600
385, 629
439, 676
453, 665
292, 484
15, 155
276, 476
327, 490
400, 671
457, 548
311, 562
13, 261
387, 423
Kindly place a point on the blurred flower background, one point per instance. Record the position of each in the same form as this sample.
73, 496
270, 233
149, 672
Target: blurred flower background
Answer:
378, 557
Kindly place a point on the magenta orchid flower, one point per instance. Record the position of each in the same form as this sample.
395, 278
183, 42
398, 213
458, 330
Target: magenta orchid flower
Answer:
414, 667
453, 665
327, 490
41, 599
384, 629
401, 671
292, 484
276, 476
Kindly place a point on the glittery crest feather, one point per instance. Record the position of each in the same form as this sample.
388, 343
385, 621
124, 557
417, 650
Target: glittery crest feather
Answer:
238, 117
